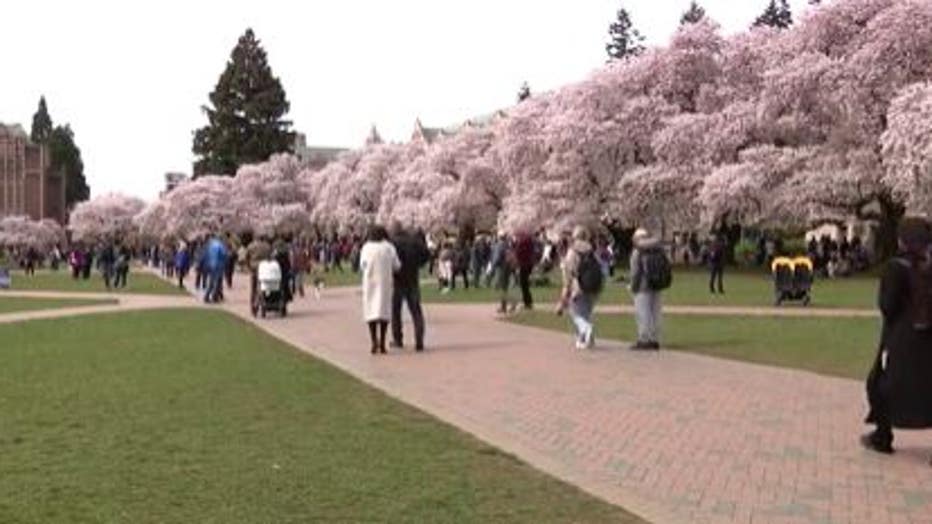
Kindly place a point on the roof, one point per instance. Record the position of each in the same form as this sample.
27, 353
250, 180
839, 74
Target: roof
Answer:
431, 134
15, 130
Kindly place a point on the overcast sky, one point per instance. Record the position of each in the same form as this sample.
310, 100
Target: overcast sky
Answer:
130, 77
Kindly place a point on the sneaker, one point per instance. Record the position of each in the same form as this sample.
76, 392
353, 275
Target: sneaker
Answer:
653, 346
638, 346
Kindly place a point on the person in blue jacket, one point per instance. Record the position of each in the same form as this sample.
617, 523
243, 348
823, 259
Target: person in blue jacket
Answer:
215, 260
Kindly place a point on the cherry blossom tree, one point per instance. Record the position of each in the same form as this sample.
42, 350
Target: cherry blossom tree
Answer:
200, 207
907, 147
105, 218
268, 198
23, 232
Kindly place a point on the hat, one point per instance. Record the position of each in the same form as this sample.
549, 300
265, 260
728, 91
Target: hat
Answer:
580, 233
640, 233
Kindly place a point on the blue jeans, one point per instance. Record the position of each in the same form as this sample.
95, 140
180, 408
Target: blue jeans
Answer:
214, 285
580, 311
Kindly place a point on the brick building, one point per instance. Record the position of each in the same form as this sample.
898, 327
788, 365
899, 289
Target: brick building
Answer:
27, 187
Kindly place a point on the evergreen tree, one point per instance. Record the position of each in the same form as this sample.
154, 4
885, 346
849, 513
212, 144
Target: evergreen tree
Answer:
777, 16
245, 124
524, 93
625, 40
692, 15
41, 123
66, 159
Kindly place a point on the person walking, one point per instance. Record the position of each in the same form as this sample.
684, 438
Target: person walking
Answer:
300, 265
502, 266
478, 259
526, 253
583, 279
106, 263
121, 267
215, 257
716, 265
413, 255
378, 262
232, 259
182, 263
650, 274
258, 251
899, 388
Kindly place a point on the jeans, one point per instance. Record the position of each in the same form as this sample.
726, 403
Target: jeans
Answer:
647, 309
524, 280
580, 312
214, 286
411, 295
119, 280
716, 276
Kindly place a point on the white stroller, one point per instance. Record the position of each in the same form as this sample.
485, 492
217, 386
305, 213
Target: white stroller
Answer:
270, 295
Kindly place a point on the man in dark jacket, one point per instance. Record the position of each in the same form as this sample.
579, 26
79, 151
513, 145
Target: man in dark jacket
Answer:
413, 253
526, 253
899, 387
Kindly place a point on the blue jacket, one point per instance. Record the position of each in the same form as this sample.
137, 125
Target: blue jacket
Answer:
182, 260
215, 255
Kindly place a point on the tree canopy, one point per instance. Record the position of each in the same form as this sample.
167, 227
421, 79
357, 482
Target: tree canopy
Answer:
246, 114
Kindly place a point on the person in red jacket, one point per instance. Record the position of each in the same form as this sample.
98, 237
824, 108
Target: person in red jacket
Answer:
526, 254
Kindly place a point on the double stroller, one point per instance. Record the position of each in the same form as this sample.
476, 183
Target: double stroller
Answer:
792, 280
270, 292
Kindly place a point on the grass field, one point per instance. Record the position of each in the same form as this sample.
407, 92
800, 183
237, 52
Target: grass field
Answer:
195, 416
139, 281
21, 304
842, 347
691, 287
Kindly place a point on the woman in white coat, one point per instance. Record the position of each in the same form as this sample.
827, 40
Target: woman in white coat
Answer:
378, 262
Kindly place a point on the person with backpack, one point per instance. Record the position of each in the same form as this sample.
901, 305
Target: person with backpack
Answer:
899, 386
651, 273
583, 279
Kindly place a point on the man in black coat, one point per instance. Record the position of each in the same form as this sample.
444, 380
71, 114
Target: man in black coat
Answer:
413, 253
899, 387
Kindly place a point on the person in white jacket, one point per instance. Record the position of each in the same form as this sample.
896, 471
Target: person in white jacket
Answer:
378, 263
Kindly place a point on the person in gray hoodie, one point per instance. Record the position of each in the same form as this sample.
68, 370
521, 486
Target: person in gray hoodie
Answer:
647, 305
574, 299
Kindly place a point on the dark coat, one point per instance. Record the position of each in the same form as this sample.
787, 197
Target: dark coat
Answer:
906, 382
413, 254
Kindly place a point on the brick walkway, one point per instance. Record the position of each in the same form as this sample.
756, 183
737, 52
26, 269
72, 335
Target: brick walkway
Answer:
674, 437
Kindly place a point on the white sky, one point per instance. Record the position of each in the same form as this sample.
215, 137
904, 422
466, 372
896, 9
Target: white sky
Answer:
131, 78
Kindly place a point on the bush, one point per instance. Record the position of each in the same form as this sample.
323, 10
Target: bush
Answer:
746, 253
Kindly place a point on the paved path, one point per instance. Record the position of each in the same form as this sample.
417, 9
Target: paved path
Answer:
674, 437
125, 302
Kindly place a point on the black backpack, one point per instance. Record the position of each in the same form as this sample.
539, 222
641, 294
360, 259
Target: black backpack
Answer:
589, 274
658, 274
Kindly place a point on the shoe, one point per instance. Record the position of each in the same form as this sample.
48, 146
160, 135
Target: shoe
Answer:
871, 442
396, 345
419, 348
638, 346
580, 345
383, 351
653, 346
375, 349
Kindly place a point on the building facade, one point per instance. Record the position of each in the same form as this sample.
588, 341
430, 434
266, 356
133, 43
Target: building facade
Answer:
27, 187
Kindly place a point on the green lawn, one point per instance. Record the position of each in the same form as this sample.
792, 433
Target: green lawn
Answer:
139, 281
842, 347
20, 304
690, 287
195, 416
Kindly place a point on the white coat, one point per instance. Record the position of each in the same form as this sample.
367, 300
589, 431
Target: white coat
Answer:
378, 262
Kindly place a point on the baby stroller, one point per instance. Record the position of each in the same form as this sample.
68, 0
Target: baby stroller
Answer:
270, 295
792, 280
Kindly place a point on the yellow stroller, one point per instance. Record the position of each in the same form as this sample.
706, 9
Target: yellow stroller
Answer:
792, 280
